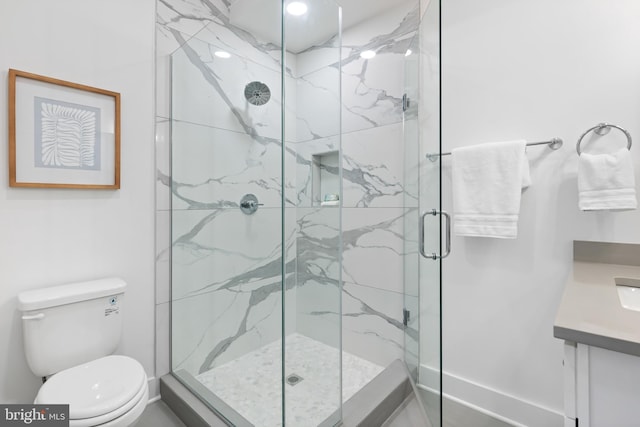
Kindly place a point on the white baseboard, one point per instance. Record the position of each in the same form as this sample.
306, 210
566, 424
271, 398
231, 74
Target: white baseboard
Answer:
504, 407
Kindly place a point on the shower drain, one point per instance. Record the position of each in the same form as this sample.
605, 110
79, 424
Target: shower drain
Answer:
294, 379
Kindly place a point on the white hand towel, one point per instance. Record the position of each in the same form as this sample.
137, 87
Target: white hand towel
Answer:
606, 181
487, 185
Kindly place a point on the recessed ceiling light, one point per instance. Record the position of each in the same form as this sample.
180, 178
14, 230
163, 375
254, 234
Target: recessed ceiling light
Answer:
222, 54
408, 52
296, 8
367, 54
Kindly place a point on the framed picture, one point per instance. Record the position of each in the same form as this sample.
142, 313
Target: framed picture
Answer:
62, 134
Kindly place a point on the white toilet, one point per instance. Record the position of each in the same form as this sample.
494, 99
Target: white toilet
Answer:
70, 332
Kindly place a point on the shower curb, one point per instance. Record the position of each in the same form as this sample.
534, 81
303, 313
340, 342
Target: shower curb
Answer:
186, 406
381, 398
373, 406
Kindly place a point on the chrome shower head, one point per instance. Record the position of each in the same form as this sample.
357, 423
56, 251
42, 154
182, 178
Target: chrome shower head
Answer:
257, 93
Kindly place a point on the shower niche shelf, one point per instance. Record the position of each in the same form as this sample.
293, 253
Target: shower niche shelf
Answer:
325, 179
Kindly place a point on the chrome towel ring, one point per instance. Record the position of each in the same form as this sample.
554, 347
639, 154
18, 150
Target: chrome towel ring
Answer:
603, 129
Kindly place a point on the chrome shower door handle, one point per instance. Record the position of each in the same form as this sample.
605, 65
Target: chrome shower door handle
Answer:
434, 255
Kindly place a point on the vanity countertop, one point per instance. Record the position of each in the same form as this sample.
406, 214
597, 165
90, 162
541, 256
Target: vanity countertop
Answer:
590, 311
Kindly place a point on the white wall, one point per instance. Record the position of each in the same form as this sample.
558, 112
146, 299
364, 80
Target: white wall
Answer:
533, 70
51, 236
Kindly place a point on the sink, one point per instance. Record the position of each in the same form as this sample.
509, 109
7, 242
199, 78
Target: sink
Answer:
628, 292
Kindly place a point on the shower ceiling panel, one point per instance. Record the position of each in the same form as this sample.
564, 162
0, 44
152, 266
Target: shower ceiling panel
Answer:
257, 17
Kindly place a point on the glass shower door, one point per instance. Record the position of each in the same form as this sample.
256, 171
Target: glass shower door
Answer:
423, 273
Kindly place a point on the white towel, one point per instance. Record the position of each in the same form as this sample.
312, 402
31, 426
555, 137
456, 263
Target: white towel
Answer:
606, 181
487, 185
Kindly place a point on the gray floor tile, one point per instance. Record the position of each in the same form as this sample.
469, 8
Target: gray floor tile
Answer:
158, 414
457, 415
410, 415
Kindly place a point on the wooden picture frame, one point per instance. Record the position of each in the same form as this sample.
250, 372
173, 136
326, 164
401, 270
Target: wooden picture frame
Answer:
62, 134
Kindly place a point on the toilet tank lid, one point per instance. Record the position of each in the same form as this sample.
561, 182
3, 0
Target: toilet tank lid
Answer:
53, 296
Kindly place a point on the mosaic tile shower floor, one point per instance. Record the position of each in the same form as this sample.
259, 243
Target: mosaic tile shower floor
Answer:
251, 384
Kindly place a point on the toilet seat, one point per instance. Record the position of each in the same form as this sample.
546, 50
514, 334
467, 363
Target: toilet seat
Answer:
121, 417
99, 391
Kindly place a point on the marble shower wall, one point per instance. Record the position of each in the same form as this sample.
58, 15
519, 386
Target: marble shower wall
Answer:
226, 269
376, 198
226, 265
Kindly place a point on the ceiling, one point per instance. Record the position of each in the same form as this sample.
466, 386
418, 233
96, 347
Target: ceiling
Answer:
320, 23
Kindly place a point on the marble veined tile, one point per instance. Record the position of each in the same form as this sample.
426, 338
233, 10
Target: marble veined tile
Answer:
216, 327
413, 162
232, 39
190, 16
371, 320
373, 244
376, 33
226, 249
214, 168
411, 258
168, 40
412, 338
318, 311
373, 174
372, 324
210, 90
319, 56
227, 284
251, 384
373, 88
318, 104
166, 43
318, 245
394, 23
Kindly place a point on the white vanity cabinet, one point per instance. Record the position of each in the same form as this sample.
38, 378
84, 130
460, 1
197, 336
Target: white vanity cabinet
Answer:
601, 336
601, 387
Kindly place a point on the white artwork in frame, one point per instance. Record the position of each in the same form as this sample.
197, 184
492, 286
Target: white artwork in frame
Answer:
66, 135
62, 134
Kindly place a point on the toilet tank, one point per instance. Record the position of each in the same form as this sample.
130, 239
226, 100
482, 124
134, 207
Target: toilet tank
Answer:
67, 325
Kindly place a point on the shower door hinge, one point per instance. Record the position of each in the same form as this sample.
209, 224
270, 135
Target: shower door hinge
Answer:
406, 102
406, 317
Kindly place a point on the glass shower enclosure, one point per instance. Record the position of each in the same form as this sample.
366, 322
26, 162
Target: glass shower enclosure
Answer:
285, 231
256, 215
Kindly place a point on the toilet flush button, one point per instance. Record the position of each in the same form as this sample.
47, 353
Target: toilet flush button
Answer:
112, 307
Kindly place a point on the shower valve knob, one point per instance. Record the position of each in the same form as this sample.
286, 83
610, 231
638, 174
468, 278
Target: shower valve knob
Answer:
249, 204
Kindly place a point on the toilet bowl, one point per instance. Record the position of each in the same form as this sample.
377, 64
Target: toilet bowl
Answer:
70, 334
110, 391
